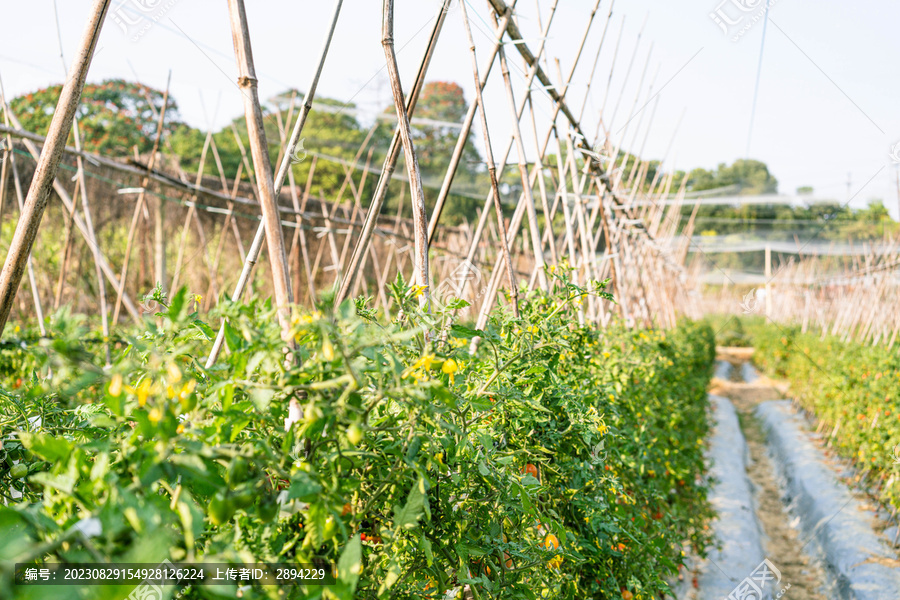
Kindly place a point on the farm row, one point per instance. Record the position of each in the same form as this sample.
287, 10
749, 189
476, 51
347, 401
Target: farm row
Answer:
555, 461
852, 391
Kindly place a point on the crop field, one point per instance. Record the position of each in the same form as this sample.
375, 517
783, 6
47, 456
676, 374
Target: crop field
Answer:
409, 300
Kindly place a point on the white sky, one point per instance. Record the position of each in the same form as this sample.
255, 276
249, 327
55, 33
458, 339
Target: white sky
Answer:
826, 107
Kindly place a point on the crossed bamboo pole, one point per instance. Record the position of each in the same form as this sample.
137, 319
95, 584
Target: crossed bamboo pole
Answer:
48, 164
390, 162
255, 247
630, 240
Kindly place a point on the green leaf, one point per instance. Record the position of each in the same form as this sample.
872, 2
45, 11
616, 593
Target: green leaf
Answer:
14, 533
63, 482
481, 403
237, 425
535, 369
349, 565
464, 332
425, 545
261, 398
414, 446
226, 395
50, 448
408, 517
177, 304
393, 574
457, 304
527, 505
233, 339
303, 488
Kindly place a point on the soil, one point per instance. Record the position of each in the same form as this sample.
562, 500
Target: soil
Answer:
783, 545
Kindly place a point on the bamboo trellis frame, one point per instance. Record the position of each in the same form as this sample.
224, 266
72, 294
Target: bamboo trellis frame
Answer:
574, 206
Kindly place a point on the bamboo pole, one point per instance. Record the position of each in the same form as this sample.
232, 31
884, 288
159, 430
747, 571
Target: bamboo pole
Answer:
70, 207
48, 164
557, 97
390, 162
466, 129
32, 280
232, 198
89, 223
256, 245
123, 277
190, 212
259, 149
17, 182
67, 253
420, 219
534, 228
492, 169
300, 234
542, 186
229, 219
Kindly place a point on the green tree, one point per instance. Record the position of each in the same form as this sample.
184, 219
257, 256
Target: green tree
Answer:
743, 177
114, 116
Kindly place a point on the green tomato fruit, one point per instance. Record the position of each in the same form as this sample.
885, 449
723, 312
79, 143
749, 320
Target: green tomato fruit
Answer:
220, 510
354, 434
237, 471
330, 528
243, 498
18, 471
267, 510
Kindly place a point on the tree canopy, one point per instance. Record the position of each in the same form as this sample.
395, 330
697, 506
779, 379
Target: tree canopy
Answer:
114, 116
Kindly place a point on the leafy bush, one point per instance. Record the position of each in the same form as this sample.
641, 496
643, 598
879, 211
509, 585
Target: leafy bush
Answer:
557, 461
852, 390
731, 334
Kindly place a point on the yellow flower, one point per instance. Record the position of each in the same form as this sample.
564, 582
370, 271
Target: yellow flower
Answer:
143, 392
155, 416
606, 355
115, 386
327, 350
188, 388
423, 363
450, 367
174, 373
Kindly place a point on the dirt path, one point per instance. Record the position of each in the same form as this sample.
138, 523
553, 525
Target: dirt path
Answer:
782, 543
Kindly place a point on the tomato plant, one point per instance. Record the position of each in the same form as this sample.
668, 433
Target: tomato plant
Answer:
387, 451
850, 388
